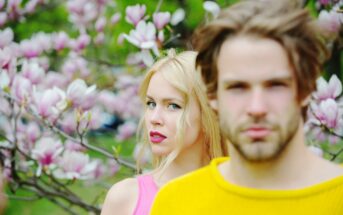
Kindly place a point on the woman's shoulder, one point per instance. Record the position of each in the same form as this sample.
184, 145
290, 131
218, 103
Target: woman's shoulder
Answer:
121, 197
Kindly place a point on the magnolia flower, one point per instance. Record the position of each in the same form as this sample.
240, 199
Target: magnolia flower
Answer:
74, 146
47, 150
144, 36
142, 155
32, 132
75, 165
329, 115
78, 92
178, 16
127, 130
212, 7
44, 40
329, 22
326, 90
6, 37
3, 18
100, 24
161, 19
32, 71
75, 65
115, 18
100, 38
61, 40
31, 6
134, 14
51, 102
30, 48
21, 89
316, 150
4, 80
80, 43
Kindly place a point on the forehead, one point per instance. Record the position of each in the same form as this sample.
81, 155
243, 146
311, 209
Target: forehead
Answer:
254, 59
160, 88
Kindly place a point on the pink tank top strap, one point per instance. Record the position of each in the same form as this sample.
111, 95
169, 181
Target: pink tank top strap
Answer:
147, 190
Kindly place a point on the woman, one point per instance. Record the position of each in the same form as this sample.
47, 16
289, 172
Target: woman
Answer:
179, 127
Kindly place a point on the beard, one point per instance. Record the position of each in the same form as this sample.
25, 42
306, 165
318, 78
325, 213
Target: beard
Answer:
261, 149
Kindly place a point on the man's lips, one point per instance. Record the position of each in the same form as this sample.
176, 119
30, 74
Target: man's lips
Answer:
156, 137
257, 132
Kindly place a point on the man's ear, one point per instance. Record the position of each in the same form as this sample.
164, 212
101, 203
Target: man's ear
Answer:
306, 101
214, 104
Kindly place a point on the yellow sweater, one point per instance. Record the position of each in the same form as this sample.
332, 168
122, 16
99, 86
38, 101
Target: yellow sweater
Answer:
205, 191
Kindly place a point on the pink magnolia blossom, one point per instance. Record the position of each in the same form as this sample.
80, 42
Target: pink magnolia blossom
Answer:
212, 7
2, 4
3, 18
78, 92
329, 114
100, 24
100, 38
55, 79
61, 40
21, 89
144, 36
6, 37
75, 66
161, 19
80, 43
82, 12
141, 155
32, 71
75, 165
74, 146
68, 123
178, 16
115, 18
127, 130
30, 48
316, 150
329, 22
160, 36
32, 132
326, 90
100, 169
134, 14
324, 2
47, 151
4, 80
31, 6
113, 167
50, 102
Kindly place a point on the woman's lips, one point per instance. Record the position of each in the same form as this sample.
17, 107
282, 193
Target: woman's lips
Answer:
156, 137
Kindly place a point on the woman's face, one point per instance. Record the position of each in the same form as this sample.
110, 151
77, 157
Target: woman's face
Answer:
164, 108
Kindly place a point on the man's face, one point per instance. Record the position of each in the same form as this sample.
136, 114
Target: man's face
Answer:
256, 97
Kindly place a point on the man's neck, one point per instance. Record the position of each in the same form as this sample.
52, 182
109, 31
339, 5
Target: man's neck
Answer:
296, 167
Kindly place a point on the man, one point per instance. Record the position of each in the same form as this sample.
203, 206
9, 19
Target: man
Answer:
259, 61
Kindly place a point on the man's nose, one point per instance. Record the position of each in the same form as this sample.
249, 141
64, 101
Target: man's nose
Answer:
257, 105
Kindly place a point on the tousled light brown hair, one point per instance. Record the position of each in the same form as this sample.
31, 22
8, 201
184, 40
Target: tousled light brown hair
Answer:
179, 70
283, 21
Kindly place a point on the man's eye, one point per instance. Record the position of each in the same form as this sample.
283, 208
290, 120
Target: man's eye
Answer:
150, 104
236, 87
278, 84
174, 106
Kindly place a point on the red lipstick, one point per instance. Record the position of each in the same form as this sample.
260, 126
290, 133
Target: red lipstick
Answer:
156, 137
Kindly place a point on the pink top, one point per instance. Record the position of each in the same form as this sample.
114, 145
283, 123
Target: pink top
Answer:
147, 190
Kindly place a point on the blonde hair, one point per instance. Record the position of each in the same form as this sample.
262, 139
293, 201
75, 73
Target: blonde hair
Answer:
179, 70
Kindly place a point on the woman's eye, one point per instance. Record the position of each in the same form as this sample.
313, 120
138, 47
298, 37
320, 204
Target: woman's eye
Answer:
174, 106
150, 104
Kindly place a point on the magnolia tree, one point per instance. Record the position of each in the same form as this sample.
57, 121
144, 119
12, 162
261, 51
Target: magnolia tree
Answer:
51, 98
